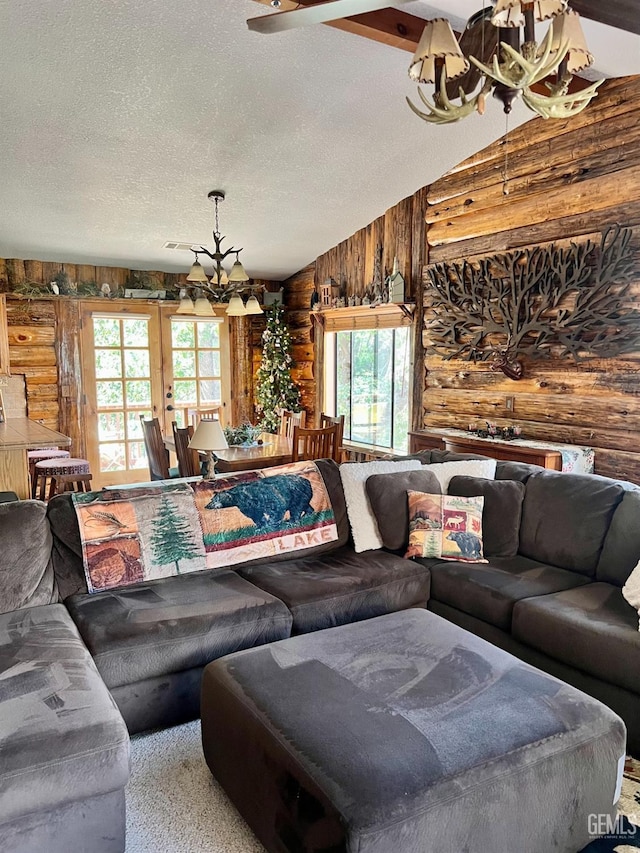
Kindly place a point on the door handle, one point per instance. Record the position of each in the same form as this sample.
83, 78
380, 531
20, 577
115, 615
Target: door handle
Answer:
170, 408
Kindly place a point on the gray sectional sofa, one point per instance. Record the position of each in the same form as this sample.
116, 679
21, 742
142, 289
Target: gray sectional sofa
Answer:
71, 672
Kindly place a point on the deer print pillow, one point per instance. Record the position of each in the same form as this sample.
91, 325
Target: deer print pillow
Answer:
445, 526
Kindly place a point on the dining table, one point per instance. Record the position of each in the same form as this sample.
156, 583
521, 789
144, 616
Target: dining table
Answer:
272, 450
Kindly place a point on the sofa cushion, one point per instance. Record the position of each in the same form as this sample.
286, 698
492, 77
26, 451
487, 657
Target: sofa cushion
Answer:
506, 470
62, 737
501, 514
489, 591
174, 624
387, 495
342, 586
591, 628
445, 526
565, 518
621, 550
26, 571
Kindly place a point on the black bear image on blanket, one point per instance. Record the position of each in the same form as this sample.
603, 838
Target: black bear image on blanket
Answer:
268, 501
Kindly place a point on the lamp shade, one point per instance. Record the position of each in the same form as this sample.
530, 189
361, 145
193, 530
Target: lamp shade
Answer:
253, 306
236, 307
567, 31
238, 272
437, 46
510, 13
203, 307
197, 273
208, 435
223, 280
186, 305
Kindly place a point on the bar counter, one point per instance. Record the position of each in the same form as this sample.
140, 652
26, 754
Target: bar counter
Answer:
17, 436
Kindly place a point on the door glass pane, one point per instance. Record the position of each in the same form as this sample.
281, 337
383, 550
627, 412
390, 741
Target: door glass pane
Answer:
185, 392
209, 362
108, 364
182, 334
135, 332
136, 362
184, 363
112, 457
111, 426
209, 335
109, 394
210, 391
137, 455
106, 332
138, 393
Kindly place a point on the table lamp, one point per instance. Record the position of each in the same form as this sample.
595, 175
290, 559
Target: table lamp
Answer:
208, 436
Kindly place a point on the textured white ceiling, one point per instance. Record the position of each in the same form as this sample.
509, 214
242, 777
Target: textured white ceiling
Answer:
118, 116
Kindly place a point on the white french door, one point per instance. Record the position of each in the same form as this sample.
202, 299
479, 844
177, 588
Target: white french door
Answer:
144, 360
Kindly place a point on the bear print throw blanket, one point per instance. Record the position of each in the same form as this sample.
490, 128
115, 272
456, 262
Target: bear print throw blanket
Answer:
139, 534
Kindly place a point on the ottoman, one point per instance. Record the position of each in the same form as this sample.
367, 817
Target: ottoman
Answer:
406, 734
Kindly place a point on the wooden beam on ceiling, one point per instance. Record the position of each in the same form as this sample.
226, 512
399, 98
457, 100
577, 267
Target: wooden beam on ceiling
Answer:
387, 26
401, 30
621, 14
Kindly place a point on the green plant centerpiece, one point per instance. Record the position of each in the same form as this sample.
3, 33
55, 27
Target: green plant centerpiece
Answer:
275, 389
245, 435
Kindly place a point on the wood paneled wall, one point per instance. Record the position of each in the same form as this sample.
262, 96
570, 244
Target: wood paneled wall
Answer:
566, 178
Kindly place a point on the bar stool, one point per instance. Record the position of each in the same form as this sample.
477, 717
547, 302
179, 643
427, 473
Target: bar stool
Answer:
63, 475
40, 455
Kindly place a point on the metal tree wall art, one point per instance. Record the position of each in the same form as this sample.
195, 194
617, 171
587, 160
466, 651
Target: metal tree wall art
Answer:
548, 301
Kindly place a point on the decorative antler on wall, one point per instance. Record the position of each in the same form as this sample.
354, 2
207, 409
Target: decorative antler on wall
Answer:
541, 302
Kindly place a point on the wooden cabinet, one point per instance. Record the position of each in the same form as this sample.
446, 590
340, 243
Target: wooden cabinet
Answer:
504, 450
4, 337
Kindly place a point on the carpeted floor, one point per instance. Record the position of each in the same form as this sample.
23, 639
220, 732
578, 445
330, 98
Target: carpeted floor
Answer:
174, 806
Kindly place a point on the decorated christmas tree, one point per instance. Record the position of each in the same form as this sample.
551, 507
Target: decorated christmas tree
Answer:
275, 388
172, 539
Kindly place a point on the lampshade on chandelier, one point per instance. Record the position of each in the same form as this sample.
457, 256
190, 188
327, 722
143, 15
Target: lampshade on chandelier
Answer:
220, 285
498, 51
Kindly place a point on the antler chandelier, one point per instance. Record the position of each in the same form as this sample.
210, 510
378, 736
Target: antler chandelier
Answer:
222, 286
512, 63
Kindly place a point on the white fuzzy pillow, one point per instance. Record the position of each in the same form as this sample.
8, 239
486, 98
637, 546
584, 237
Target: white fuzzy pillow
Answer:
444, 471
364, 527
631, 589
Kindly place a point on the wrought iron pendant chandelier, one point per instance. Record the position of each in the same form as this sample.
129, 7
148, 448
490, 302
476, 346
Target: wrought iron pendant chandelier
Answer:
500, 43
222, 286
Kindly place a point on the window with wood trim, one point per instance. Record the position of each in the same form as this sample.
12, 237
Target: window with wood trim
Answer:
367, 379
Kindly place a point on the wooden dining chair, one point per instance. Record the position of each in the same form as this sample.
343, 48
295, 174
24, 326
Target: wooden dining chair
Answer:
214, 412
157, 453
338, 420
314, 443
289, 420
188, 460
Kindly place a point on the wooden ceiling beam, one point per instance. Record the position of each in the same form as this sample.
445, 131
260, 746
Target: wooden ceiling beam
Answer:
387, 26
401, 30
621, 14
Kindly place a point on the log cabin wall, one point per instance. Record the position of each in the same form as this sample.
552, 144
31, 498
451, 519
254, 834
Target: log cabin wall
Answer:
44, 341
566, 179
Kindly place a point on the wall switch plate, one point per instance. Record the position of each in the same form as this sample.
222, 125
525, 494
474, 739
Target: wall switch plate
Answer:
509, 403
